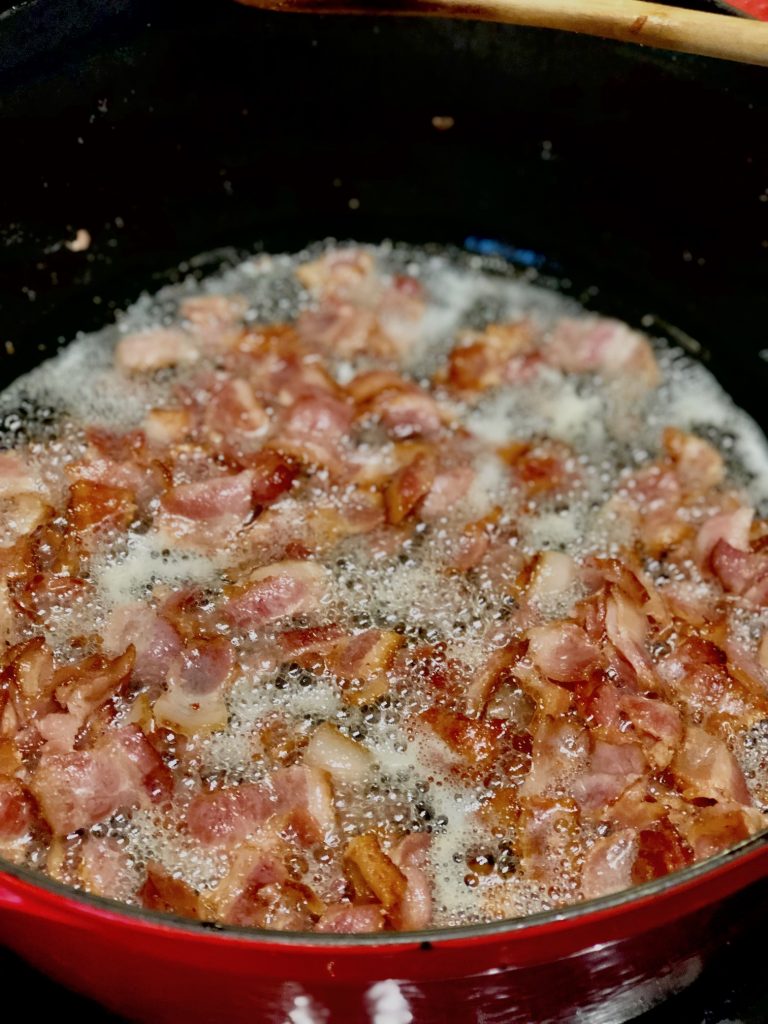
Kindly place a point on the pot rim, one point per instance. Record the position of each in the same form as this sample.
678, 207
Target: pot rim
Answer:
597, 907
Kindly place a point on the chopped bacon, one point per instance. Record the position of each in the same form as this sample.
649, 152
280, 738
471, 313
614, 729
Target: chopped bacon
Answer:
333, 752
563, 652
715, 828
698, 464
485, 360
313, 427
447, 488
235, 417
364, 857
296, 643
155, 349
193, 703
474, 740
232, 815
154, 640
350, 919
106, 870
272, 475
627, 629
82, 688
363, 660
741, 572
408, 487
730, 527
608, 865
661, 849
92, 504
77, 790
407, 413
18, 815
216, 319
601, 345
554, 574
705, 767
167, 426
161, 891
220, 497
548, 834
16, 477
276, 591
415, 908
658, 726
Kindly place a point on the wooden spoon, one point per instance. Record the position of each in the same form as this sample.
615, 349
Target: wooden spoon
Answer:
630, 21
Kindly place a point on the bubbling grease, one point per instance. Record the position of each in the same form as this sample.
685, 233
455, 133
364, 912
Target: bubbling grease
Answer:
405, 784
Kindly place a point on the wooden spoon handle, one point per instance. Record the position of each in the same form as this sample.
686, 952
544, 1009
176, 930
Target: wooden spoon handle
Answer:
630, 21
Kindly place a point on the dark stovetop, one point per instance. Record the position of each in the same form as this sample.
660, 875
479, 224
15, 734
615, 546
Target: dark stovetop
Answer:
732, 990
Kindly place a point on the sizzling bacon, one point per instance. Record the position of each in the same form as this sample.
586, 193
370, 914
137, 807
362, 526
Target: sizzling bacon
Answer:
563, 652
275, 591
76, 790
155, 349
601, 345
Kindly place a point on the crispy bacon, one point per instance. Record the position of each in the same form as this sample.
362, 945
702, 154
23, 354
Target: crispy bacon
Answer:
155, 349
364, 857
161, 891
408, 487
601, 345
93, 504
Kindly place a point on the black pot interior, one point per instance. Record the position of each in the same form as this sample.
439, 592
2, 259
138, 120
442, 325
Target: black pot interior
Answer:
170, 130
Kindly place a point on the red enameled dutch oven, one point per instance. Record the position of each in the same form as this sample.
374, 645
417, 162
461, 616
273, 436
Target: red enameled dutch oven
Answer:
638, 179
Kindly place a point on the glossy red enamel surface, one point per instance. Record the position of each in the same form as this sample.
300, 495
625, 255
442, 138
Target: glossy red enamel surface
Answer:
628, 951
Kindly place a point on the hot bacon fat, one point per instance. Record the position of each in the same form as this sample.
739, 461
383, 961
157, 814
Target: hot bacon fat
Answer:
363, 592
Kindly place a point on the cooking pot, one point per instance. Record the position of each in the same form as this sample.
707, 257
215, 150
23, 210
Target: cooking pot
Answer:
638, 179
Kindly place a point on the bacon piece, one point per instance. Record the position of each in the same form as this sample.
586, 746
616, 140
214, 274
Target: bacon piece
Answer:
331, 751
28, 674
346, 273
699, 464
542, 467
658, 726
705, 767
44, 594
627, 630
364, 857
296, 643
613, 768
256, 864
602, 345
409, 486
216, 319
155, 641
83, 688
559, 751
161, 891
415, 908
20, 516
218, 498
164, 427
193, 703
272, 475
18, 816
731, 527
484, 360
93, 504
661, 849
447, 489
234, 417
407, 412
313, 427
155, 349
106, 870
16, 477
563, 652
362, 660
78, 789
351, 919
474, 740
741, 572
554, 575
548, 832
232, 815
608, 865
716, 828
275, 591
495, 669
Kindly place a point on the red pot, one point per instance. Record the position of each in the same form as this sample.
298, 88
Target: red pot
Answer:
640, 172
604, 960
